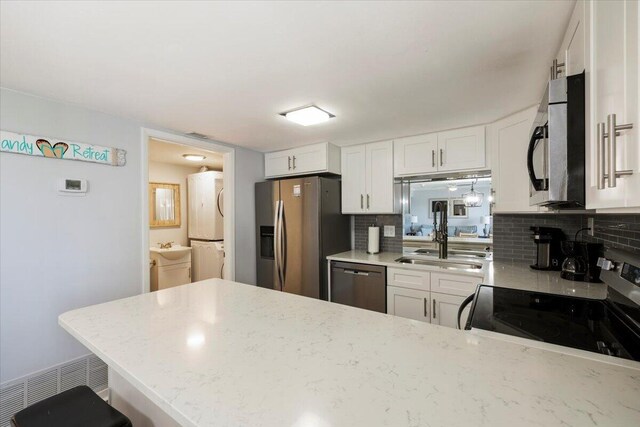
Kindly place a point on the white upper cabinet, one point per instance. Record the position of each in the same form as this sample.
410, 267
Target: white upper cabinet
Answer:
573, 49
367, 178
354, 181
509, 140
316, 158
461, 149
415, 155
453, 150
613, 90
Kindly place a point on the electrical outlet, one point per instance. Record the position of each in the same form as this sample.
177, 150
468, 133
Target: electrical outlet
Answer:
389, 231
591, 225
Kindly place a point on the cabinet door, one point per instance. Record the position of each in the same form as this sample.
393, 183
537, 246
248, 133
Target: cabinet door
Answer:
278, 163
354, 185
379, 177
573, 45
454, 284
174, 275
415, 155
444, 310
207, 197
312, 158
614, 90
509, 178
408, 303
461, 149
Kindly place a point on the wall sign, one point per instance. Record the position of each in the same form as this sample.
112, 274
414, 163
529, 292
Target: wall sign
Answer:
54, 148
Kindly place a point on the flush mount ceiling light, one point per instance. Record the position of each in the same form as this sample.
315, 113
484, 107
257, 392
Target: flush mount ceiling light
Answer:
194, 157
308, 116
453, 187
473, 199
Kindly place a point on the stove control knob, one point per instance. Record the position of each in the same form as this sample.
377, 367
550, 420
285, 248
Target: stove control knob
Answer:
605, 264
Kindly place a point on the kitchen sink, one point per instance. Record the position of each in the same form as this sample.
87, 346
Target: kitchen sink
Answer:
451, 265
454, 252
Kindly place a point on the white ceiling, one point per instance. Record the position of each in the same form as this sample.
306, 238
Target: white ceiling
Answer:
226, 69
167, 152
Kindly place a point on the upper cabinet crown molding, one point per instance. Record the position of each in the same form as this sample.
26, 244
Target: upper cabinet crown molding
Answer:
316, 158
453, 150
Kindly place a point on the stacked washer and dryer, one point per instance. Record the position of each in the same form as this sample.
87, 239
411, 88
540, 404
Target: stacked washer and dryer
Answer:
206, 224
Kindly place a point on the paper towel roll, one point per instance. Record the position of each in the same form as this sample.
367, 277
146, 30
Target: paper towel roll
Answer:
374, 240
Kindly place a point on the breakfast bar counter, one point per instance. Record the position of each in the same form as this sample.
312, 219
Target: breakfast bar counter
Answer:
220, 353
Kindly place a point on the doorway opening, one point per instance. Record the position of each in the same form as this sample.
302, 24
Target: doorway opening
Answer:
188, 210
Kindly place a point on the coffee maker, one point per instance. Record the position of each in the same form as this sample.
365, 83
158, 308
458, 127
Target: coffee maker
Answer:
548, 251
580, 262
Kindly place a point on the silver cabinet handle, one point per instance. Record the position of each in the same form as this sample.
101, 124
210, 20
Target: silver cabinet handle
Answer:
612, 132
289, 162
441, 157
368, 201
425, 308
600, 155
434, 308
362, 201
433, 158
294, 162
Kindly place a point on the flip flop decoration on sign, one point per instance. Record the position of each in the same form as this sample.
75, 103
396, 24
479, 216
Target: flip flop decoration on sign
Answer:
41, 147
47, 150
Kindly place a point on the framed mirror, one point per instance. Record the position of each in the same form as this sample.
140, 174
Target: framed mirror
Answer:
164, 205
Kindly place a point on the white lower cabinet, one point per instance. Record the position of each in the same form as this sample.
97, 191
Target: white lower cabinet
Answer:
409, 303
429, 296
444, 310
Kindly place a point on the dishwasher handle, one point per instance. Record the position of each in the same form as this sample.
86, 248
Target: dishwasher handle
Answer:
356, 272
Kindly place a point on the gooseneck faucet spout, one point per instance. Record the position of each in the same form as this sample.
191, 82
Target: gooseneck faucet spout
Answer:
440, 235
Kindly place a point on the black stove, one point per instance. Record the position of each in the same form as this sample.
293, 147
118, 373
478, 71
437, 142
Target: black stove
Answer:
610, 326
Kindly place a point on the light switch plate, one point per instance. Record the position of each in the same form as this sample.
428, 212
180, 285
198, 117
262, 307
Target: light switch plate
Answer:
389, 231
591, 225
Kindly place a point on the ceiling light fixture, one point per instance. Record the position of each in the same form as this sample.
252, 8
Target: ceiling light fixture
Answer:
453, 187
307, 116
194, 157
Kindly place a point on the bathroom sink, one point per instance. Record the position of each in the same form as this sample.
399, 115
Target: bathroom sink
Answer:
454, 252
172, 253
450, 265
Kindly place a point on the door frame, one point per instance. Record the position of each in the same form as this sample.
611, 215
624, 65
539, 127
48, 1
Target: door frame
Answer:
228, 170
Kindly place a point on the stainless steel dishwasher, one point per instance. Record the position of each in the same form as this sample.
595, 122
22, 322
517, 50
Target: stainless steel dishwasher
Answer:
359, 285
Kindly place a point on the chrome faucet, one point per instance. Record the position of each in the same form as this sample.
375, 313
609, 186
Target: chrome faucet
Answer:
440, 234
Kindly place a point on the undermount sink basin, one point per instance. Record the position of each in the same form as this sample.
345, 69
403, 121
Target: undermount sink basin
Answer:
451, 265
172, 253
454, 252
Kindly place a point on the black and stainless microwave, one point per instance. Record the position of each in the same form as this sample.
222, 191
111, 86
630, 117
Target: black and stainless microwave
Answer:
556, 154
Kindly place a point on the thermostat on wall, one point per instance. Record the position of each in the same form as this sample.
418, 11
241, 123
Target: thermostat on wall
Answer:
72, 187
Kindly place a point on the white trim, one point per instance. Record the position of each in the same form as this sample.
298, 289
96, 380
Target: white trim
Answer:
228, 171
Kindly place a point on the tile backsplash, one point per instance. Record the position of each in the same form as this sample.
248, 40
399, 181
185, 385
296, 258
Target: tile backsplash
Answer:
387, 244
512, 237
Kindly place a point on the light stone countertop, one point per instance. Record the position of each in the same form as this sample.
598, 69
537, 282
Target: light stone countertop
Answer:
219, 353
508, 274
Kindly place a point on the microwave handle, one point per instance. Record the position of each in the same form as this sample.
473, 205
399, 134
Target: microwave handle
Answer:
537, 134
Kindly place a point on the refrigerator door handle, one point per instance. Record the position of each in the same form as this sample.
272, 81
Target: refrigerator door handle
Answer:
276, 223
283, 247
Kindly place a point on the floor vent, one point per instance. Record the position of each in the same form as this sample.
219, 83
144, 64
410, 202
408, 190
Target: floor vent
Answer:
20, 393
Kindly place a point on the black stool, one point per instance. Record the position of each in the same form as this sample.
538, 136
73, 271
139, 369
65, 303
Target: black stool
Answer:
78, 407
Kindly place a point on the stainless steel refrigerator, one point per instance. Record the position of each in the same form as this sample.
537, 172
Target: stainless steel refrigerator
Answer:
298, 224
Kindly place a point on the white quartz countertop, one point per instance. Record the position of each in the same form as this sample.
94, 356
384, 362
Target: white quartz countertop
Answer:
219, 353
508, 274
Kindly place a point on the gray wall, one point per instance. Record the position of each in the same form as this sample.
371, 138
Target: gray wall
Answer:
512, 237
387, 244
60, 253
